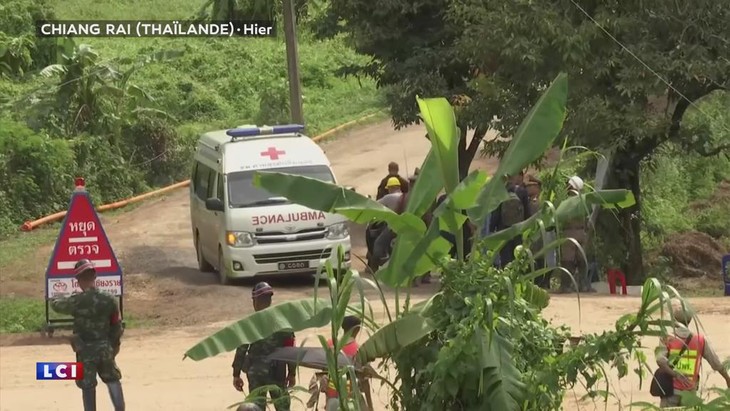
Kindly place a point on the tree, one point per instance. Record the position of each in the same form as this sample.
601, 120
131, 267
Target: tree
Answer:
631, 83
412, 48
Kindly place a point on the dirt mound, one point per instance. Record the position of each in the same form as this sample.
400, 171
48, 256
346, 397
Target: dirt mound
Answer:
694, 255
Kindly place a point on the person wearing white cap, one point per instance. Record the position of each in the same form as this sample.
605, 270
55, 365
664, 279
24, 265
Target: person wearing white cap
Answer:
570, 257
680, 356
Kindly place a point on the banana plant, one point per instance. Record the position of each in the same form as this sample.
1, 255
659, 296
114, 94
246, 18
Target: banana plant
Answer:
420, 248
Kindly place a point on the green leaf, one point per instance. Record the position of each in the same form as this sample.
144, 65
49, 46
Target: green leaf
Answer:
534, 136
291, 316
393, 337
579, 206
413, 255
502, 384
536, 296
428, 185
440, 121
466, 193
332, 198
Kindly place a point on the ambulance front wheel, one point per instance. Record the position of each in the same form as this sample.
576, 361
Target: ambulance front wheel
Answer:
223, 277
203, 265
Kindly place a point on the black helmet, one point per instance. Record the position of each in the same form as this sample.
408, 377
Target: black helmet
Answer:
83, 266
261, 289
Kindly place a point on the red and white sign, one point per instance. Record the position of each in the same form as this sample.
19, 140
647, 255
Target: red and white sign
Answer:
82, 236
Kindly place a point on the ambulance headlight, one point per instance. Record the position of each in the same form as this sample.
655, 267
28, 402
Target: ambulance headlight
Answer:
240, 239
337, 231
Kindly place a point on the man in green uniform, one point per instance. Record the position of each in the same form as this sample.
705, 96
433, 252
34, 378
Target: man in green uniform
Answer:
251, 359
97, 333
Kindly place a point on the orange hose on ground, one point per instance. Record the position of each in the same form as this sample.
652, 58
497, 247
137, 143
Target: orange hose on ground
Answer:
340, 127
30, 225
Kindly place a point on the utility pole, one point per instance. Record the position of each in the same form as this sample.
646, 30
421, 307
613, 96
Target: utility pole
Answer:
292, 59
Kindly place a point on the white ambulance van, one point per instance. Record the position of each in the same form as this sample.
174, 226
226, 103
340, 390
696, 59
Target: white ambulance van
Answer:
241, 230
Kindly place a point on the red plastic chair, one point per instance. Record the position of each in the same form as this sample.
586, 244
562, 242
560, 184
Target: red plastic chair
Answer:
615, 275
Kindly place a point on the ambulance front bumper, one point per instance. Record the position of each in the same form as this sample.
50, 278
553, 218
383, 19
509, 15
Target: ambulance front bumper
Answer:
305, 257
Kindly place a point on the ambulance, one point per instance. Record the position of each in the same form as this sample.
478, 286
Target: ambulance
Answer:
240, 230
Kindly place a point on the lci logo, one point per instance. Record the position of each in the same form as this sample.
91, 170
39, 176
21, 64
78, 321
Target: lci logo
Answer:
60, 287
59, 371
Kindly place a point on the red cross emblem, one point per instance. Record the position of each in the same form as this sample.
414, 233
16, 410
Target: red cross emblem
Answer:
272, 153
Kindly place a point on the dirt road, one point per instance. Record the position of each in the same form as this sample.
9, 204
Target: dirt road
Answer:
162, 284
156, 377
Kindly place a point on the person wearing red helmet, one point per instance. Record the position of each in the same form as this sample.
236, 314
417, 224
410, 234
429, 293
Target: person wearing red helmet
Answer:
260, 371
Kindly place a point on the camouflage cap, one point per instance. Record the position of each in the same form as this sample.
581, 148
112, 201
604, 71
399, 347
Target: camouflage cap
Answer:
83, 267
262, 289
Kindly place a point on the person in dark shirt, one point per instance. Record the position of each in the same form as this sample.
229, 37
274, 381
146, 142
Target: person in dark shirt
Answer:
515, 185
392, 172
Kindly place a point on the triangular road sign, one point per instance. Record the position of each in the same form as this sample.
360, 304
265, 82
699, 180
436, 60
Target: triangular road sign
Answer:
82, 236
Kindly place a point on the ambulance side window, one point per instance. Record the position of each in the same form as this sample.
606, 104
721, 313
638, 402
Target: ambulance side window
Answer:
211, 184
219, 194
202, 175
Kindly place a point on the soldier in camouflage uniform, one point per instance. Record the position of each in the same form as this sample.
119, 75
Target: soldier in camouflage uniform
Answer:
97, 333
251, 359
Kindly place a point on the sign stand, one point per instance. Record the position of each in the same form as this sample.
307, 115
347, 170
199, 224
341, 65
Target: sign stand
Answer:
726, 274
82, 236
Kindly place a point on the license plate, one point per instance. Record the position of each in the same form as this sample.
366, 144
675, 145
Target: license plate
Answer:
294, 265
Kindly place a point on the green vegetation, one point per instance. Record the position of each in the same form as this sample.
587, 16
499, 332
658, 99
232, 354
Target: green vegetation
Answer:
480, 343
638, 71
125, 113
23, 315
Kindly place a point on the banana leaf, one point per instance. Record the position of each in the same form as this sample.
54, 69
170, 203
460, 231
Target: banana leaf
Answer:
580, 206
534, 136
502, 384
413, 255
440, 121
393, 337
332, 198
428, 185
289, 316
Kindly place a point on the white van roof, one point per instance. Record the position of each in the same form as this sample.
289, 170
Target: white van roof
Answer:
248, 148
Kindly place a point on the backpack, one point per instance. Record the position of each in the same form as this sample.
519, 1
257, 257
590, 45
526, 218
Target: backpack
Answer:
512, 211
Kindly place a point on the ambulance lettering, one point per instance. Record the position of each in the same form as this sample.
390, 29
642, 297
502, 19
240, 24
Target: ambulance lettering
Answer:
288, 218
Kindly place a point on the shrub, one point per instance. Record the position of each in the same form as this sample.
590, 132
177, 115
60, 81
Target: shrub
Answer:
21, 49
109, 175
37, 171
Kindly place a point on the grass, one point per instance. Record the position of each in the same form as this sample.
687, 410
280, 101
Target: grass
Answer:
23, 315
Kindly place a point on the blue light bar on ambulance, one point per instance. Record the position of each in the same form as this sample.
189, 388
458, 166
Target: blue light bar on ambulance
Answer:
265, 130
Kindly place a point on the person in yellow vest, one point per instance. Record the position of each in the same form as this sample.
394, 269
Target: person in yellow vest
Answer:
688, 361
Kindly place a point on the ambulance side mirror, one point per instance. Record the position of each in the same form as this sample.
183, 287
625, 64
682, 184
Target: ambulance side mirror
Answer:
214, 204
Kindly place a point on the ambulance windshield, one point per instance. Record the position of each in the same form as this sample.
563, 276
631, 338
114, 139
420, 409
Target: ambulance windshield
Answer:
242, 192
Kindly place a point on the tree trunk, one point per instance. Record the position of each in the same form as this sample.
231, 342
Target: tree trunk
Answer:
627, 170
468, 151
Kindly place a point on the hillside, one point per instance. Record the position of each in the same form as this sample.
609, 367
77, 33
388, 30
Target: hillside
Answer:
140, 131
